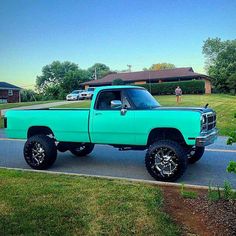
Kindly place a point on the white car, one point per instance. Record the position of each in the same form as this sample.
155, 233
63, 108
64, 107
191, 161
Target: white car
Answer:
87, 94
74, 95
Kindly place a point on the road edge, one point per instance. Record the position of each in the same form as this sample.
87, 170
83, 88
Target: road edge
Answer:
152, 182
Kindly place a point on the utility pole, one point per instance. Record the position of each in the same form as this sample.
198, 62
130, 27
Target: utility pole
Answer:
129, 66
95, 73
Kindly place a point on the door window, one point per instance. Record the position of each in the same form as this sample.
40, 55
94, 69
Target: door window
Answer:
105, 98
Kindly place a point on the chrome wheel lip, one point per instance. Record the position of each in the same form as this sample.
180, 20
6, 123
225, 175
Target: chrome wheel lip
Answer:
165, 162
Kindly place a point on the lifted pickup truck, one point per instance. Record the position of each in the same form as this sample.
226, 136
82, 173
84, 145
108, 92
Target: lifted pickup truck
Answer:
126, 117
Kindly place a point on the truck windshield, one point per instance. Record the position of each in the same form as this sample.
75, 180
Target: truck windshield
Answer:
142, 99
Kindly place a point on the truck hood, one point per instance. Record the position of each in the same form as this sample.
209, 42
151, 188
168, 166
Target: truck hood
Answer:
197, 109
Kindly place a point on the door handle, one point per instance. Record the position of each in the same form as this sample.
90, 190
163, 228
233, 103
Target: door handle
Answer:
98, 113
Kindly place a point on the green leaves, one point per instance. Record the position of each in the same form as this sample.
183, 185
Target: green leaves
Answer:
60, 78
221, 63
98, 71
188, 87
161, 66
232, 167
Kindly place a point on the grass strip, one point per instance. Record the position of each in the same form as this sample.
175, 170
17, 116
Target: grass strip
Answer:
44, 204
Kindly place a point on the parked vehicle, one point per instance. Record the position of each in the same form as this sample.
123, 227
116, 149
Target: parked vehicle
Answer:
88, 93
74, 95
126, 117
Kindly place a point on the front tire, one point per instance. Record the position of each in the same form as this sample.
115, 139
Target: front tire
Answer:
83, 149
195, 154
40, 152
166, 160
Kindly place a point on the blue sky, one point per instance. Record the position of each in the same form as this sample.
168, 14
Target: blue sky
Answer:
117, 33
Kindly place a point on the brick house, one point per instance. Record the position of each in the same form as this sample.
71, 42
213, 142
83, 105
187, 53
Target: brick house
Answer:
9, 93
153, 76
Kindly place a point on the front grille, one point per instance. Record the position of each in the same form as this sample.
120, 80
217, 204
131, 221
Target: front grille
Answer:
210, 121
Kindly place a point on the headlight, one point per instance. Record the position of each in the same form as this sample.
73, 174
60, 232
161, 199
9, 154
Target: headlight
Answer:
203, 122
203, 119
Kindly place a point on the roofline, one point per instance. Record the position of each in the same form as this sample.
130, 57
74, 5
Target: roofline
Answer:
187, 67
92, 82
3, 88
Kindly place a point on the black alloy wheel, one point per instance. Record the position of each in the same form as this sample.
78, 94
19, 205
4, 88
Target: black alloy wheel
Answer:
83, 149
166, 160
40, 152
195, 154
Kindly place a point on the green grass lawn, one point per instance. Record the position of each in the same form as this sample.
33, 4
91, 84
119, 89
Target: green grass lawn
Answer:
46, 204
80, 104
22, 104
224, 105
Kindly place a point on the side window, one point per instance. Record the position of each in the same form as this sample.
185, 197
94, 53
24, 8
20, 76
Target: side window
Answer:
105, 98
125, 102
10, 92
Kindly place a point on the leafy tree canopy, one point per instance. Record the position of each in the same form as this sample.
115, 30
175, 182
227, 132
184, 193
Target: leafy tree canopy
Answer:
59, 78
161, 66
221, 63
28, 95
100, 69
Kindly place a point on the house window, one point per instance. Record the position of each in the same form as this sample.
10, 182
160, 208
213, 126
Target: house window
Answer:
10, 92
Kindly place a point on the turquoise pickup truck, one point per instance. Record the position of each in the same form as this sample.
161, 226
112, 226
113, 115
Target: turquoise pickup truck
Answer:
126, 117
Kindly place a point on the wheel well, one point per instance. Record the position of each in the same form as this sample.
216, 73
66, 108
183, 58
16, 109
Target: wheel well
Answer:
39, 130
165, 133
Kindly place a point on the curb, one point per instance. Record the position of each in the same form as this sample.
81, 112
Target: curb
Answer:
152, 182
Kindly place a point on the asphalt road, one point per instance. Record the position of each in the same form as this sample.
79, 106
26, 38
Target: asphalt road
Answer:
108, 161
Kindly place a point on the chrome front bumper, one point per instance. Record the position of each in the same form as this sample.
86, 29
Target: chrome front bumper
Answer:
207, 138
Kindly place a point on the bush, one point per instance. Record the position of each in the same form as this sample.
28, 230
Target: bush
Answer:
187, 194
231, 168
165, 88
118, 82
28, 95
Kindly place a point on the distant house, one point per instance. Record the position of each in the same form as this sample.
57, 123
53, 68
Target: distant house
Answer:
9, 93
153, 76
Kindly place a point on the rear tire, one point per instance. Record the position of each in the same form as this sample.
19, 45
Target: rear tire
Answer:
166, 160
40, 152
83, 149
195, 154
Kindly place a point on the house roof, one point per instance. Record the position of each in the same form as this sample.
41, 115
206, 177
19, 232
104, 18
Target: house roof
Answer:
167, 74
5, 85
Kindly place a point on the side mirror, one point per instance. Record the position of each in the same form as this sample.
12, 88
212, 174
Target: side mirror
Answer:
116, 104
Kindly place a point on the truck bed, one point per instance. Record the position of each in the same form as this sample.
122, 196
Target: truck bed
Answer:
64, 122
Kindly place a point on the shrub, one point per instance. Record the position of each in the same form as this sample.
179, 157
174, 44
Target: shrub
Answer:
231, 167
118, 82
187, 194
188, 87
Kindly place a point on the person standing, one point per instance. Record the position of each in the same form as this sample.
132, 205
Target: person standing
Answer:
178, 93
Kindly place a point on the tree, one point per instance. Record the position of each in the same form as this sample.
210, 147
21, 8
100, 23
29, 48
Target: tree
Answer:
99, 69
118, 82
161, 66
28, 95
221, 63
59, 78
231, 82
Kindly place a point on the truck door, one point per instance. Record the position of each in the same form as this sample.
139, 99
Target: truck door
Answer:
111, 124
